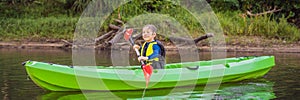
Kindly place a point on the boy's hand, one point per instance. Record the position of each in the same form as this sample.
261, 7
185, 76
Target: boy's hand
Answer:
136, 47
142, 58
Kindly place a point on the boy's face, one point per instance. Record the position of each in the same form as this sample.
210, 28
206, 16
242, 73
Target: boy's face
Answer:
148, 35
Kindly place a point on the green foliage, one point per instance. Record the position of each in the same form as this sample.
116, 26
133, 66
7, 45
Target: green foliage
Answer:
50, 27
80, 5
225, 4
286, 8
33, 9
234, 24
58, 18
254, 5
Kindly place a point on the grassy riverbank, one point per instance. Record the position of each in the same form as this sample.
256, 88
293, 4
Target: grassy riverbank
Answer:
55, 20
37, 29
233, 25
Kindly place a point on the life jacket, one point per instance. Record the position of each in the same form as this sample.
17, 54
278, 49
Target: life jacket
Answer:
148, 51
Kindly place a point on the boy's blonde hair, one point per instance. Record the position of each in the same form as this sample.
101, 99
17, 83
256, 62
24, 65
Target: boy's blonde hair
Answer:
151, 27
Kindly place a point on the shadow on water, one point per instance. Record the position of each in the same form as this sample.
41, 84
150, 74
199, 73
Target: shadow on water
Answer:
259, 89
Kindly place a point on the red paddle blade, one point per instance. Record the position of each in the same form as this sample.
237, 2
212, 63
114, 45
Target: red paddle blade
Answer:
128, 33
147, 69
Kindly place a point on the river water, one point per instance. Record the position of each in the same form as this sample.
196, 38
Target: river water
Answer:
281, 82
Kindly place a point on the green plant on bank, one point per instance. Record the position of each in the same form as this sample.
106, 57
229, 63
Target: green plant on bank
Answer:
234, 24
49, 27
36, 8
279, 8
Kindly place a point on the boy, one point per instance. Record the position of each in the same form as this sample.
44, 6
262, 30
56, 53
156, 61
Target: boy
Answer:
152, 51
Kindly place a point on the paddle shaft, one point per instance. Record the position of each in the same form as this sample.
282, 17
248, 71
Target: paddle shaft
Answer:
135, 49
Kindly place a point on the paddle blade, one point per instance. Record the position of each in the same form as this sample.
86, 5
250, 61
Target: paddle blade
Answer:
128, 33
147, 69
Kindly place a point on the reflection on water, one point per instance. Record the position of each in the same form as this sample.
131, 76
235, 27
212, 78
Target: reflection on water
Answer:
284, 77
257, 90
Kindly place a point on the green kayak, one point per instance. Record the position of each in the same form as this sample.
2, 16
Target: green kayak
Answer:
56, 77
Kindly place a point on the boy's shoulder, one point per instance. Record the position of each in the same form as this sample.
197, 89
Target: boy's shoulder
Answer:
158, 42
162, 48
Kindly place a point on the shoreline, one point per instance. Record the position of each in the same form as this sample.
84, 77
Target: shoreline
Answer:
279, 48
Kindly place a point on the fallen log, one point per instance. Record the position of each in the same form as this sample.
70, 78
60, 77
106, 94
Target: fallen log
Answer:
184, 40
104, 36
119, 21
208, 35
114, 27
136, 36
263, 13
66, 43
117, 37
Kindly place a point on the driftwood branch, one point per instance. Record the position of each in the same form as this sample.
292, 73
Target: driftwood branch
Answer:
208, 35
119, 21
67, 43
104, 36
263, 13
112, 36
136, 36
180, 39
115, 27
117, 37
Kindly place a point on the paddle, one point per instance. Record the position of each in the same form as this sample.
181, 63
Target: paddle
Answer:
147, 68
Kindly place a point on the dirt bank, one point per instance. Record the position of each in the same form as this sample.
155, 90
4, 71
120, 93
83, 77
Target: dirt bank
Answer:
286, 48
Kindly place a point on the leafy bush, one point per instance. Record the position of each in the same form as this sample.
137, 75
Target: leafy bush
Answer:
50, 27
